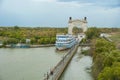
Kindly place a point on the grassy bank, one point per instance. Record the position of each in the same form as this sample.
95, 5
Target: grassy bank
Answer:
106, 60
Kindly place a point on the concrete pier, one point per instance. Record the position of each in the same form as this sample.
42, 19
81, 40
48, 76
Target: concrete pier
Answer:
57, 71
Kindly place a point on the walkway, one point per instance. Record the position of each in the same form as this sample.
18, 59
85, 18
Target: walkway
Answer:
57, 71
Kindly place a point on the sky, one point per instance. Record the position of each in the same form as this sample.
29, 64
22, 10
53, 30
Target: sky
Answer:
55, 13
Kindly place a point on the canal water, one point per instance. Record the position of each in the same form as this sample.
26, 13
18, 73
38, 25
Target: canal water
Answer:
27, 64
33, 63
79, 67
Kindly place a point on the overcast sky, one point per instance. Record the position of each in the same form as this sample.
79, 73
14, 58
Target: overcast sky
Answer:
55, 13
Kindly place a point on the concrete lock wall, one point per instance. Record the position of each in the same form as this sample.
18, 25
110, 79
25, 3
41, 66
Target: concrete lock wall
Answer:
78, 23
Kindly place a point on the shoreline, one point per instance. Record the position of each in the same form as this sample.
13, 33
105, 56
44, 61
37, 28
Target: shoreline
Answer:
29, 46
46, 45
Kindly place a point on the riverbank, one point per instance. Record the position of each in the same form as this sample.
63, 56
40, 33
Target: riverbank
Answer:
106, 61
46, 45
28, 46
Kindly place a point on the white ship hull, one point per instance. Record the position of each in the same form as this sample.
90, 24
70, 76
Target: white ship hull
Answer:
65, 42
61, 48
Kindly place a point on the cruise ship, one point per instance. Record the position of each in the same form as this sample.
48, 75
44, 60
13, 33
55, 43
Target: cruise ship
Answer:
65, 41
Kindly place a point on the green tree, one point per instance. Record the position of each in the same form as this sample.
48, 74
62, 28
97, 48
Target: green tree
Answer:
33, 41
106, 74
12, 41
104, 46
92, 32
52, 40
16, 27
110, 73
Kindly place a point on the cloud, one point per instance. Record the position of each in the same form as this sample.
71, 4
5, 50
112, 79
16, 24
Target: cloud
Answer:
56, 12
74, 4
102, 3
44, 0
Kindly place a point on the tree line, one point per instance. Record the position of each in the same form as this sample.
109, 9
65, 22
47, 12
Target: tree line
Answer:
38, 35
42, 35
